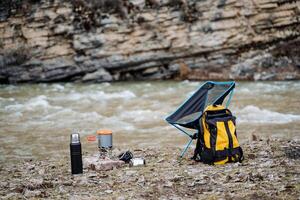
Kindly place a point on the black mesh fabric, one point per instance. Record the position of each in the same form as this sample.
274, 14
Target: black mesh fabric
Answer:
190, 112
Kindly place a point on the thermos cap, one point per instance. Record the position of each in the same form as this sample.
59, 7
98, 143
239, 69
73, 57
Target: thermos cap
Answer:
75, 138
104, 132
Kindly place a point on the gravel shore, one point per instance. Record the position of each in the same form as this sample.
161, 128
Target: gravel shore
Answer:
271, 170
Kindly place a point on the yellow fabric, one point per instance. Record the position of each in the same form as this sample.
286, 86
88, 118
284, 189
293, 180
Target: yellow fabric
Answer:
223, 140
214, 108
222, 137
222, 162
232, 131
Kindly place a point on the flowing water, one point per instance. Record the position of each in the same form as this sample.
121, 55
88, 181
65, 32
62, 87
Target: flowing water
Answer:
36, 120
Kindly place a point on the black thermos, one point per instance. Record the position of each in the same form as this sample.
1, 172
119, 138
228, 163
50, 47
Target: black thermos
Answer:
76, 156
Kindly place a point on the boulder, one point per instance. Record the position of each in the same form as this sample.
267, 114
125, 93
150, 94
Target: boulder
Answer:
101, 75
95, 163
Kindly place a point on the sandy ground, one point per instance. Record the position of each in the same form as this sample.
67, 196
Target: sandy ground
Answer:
271, 170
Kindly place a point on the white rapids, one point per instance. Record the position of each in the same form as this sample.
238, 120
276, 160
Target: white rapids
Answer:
38, 119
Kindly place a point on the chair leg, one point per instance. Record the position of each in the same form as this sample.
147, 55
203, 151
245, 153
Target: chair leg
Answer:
186, 147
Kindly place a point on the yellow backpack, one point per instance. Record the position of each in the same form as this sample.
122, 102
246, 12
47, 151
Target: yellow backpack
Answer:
217, 141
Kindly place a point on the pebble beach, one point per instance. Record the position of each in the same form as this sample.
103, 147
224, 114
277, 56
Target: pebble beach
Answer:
271, 170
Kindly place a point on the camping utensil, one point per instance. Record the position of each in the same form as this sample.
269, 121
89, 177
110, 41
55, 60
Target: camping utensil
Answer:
104, 139
126, 156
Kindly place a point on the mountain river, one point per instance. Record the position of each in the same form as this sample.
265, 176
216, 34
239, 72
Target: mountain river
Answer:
36, 120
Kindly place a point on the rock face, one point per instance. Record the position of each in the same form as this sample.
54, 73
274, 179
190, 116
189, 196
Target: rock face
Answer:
48, 41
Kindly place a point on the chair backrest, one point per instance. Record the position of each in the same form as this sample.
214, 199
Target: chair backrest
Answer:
210, 93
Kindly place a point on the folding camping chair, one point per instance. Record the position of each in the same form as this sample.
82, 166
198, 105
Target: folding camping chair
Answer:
187, 116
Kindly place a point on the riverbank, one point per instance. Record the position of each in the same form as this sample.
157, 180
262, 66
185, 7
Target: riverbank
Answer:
271, 170
114, 40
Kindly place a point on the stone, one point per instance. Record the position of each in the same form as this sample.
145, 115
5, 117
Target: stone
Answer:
140, 3
148, 17
109, 20
263, 76
30, 194
61, 190
103, 164
150, 71
63, 29
101, 75
108, 191
56, 63
64, 10
30, 33
168, 184
59, 50
88, 41
121, 198
81, 180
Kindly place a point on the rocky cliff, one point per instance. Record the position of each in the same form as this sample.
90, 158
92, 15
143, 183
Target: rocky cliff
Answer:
108, 40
